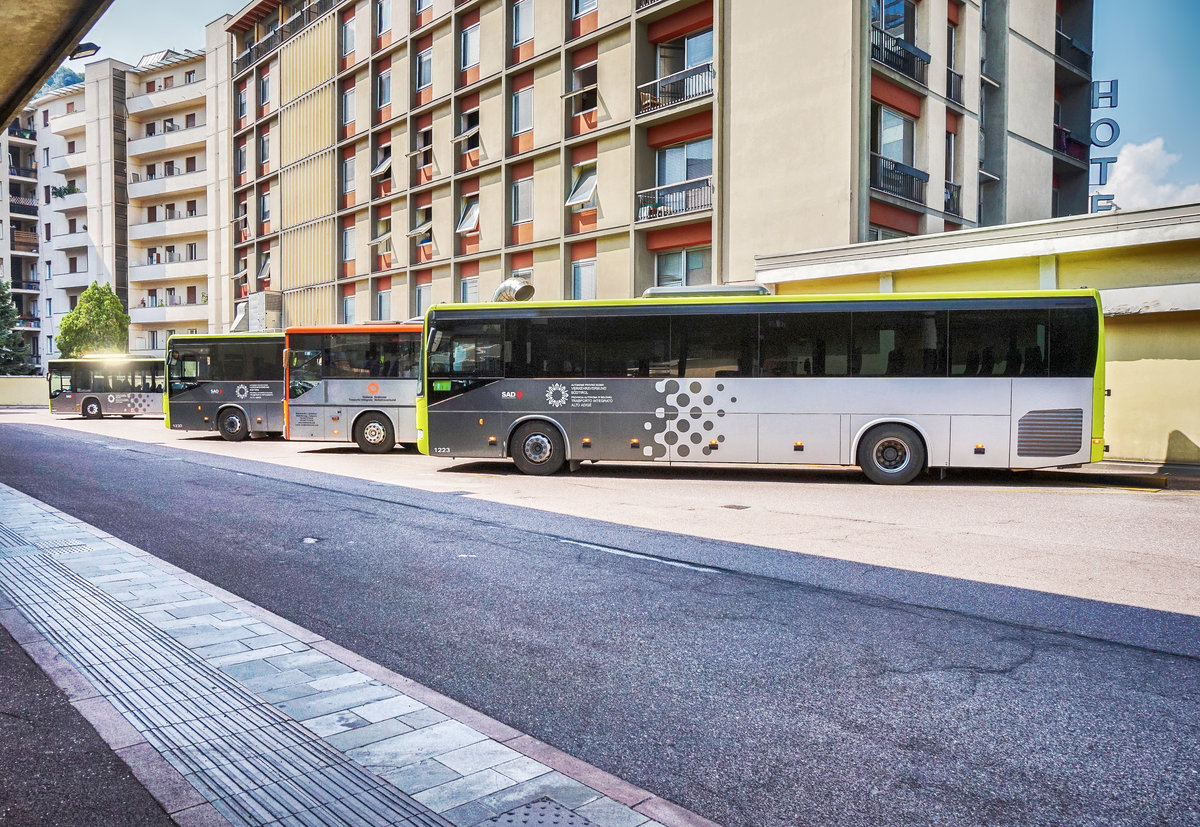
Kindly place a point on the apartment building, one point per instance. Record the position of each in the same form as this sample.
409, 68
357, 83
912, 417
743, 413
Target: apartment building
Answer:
123, 194
19, 248
387, 154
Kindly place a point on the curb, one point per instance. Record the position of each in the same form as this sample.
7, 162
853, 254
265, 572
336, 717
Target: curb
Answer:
189, 808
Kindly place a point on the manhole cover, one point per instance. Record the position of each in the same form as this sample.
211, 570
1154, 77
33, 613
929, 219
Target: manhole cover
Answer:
542, 813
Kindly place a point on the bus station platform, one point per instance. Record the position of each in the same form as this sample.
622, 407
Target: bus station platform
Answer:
1172, 476
223, 713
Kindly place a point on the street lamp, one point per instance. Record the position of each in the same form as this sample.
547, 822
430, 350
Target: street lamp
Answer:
84, 50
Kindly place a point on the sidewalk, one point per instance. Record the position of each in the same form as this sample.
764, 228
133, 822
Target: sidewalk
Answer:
228, 714
1140, 474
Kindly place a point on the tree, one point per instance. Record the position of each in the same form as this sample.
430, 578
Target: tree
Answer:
98, 324
14, 353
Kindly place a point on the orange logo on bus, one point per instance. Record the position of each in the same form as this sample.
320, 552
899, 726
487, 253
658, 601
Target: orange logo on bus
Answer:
373, 388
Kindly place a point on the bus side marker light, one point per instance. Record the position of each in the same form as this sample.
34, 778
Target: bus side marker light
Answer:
337, 432
206, 419
481, 423
797, 446
335, 419
587, 442
979, 449
491, 440
713, 444
259, 420
633, 443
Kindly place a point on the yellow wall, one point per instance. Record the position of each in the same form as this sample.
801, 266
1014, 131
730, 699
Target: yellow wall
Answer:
21, 391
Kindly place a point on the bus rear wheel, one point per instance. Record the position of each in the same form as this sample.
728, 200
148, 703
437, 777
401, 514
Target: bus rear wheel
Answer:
374, 434
537, 448
232, 425
92, 410
891, 454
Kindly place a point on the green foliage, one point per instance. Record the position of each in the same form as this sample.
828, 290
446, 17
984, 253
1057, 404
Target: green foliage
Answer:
14, 353
64, 190
98, 324
62, 77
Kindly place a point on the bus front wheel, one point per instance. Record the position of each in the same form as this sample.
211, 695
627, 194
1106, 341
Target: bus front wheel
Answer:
232, 425
374, 434
537, 448
92, 410
891, 454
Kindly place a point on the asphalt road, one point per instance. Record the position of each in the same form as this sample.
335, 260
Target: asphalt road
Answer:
802, 697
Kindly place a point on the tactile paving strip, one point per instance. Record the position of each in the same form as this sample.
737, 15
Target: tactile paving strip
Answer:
10, 538
256, 765
541, 813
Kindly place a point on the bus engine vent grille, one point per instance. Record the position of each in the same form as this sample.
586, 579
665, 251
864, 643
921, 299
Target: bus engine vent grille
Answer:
1050, 433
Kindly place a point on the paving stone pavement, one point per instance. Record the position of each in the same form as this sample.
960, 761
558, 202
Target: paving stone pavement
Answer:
237, 715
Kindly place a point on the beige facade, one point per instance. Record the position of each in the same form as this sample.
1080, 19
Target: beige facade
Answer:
125, 189
1143, 263
19, 244
383, 158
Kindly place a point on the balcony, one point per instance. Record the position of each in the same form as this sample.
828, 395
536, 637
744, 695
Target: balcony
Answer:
66, 163
27, 323
675, 199
645, 4
24, 241
898, 179
144, 186
68, 241
170, 138
26, 286
953, 198
68, 123
69, 281
1066, 145
173, 309
169, 98
690, 84
22, 206
23, 172
954, 86
168, 268
1069, 50
275, 39
173, 223
22, 134
899, 55
76, 200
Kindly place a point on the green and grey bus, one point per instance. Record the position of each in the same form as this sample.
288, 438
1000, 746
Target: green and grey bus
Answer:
231, 383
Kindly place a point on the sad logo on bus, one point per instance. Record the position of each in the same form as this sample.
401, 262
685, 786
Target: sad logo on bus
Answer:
556, 395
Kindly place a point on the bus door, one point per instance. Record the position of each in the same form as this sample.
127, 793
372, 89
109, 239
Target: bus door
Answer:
306, 390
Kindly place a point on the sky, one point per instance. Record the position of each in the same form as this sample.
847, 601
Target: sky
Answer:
1148, 46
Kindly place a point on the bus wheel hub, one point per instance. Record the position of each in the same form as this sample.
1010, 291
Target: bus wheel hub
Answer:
537, 449
891, 454
373, 433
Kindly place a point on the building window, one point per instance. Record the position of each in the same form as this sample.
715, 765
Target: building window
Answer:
583, 190
383, 89
951, 159
422, 229
583, 279
582, 7
468, 132
877, 233
264, 207
468, 290
383, 16
522, 273
347, 244
383, 305
522, 22
347, 37
241, 104
383, 235
347, 175
422, 5
584, 97
685, 52
191, 251
424, 69
264, 148
896, 17
239, 163
385, 161
347, 106
264, 90
425, 148
470, 47
892, 134
189, 76
685, 162
421, 296
683, 267
522, 201
348, 309
522, 113
468, 217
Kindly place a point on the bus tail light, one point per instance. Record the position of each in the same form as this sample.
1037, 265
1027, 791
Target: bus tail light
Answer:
979, 449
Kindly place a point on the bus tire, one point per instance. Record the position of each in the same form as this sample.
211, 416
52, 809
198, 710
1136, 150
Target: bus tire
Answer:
91, 409
374, 434
537, 448
891, 454
231, 422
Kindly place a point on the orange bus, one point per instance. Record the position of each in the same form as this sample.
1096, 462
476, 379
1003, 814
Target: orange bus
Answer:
353, 382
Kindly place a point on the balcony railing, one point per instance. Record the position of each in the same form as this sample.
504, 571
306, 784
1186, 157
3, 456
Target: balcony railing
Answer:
167, 301
27, 322
1070, 51
954, 84
137, 178
675, 199
25, 241
899, 54
22, 132
26, 285
167, 258
22, 206
645, 4
23, 172
898, 179
289, 29
953, 198
687, 85
1064, 143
